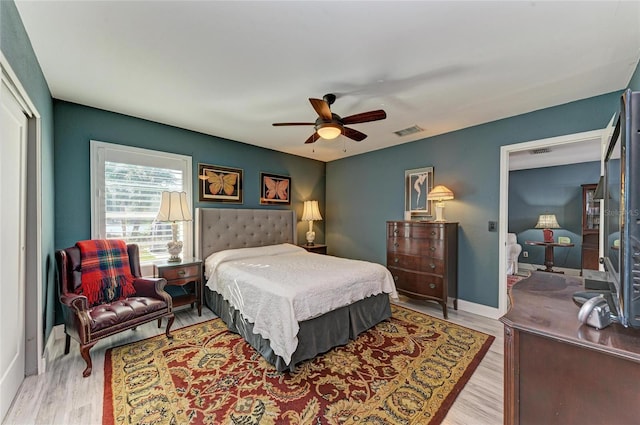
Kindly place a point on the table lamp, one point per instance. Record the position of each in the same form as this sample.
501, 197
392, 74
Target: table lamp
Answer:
310, 213
546, 222
440, 194
174, 208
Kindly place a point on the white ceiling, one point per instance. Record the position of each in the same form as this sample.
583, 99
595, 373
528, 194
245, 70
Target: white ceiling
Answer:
231, 69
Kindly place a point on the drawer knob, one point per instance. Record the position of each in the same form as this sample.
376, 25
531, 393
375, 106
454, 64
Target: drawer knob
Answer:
433, 266
395, 232
395, 260
395, 278
433, 233
181, 272
433, 248
396, 244
432, 285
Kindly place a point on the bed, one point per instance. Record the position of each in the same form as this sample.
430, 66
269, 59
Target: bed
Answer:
257, 243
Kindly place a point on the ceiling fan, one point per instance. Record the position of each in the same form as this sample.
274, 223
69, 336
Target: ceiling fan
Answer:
329, 125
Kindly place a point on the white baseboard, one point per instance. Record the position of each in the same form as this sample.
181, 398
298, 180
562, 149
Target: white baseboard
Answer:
56, 333
479, 309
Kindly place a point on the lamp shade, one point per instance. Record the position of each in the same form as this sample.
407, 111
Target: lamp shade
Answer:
174, 207
328, 130
440, 193
547, 221
311, 211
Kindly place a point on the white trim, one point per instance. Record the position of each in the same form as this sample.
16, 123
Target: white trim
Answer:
19, 92
504, 198
479, 309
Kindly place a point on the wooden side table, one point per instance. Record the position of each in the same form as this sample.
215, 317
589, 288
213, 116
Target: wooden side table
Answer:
180, 274
548, 253
316, 248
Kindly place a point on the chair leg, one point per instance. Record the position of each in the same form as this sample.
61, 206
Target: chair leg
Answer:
84, 352
67, 344
160, 322
169, 323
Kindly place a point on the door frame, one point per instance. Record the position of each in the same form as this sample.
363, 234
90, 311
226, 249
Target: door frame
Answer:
503, 226
35, 360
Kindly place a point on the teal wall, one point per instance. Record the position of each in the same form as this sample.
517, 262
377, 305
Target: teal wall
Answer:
556, 190
77, 125
634, 83
16, 47
365, 191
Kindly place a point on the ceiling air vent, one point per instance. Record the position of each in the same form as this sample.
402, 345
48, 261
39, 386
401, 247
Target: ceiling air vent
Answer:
409, 130
539, 151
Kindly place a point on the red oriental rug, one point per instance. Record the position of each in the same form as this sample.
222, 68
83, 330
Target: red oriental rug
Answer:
408, 370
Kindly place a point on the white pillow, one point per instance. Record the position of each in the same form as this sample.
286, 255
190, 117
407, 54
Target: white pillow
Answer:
214, 260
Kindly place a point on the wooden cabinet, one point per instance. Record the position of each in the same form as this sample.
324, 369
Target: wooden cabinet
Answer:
423, 259
186, 277
590, 228
316, 248
557, 371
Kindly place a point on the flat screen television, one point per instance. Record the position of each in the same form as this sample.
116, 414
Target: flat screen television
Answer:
622, 211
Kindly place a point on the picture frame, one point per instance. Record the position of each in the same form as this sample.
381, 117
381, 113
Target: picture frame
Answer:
220, 184
418, 182
275, 189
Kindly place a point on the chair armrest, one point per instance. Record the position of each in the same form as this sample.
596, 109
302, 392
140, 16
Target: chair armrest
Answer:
74, 301
152, 287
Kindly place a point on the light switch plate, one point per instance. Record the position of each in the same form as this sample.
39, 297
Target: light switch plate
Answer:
493, 226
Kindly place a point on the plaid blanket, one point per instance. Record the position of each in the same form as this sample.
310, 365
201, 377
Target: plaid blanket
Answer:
106, 274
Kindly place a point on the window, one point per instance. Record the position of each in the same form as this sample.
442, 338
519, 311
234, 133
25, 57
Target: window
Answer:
126, 184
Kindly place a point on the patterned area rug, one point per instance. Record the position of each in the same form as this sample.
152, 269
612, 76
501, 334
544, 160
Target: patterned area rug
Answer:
407, 370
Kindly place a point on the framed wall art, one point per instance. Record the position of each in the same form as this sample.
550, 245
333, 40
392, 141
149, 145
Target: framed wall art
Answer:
418, 182
275, 189
219, 184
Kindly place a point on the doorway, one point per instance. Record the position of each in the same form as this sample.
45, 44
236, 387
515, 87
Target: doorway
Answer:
505, 154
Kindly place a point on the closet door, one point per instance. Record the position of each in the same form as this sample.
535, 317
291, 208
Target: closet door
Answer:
13, 147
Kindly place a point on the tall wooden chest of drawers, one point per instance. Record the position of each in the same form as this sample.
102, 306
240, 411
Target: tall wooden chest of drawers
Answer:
422, 256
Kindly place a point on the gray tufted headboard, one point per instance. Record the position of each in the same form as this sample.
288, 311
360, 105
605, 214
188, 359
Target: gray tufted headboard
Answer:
217, 229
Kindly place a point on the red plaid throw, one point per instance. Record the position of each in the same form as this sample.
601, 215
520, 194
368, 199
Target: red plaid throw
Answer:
106, 274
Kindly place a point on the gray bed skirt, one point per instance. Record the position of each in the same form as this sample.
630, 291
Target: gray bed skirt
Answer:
316, 336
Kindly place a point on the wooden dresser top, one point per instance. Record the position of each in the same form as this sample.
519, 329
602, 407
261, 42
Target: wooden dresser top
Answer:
542, 304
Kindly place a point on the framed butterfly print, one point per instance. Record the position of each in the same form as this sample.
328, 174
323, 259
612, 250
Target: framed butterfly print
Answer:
275, 189
418, 182
219, 184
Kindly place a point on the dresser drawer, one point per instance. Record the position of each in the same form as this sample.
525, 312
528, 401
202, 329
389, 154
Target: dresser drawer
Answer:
429, 247
416, 262
417, 283
181, 272
415, 230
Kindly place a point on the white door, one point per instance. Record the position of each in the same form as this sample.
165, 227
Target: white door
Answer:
13, 147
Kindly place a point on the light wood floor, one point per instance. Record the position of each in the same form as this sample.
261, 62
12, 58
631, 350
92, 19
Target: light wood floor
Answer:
62, 396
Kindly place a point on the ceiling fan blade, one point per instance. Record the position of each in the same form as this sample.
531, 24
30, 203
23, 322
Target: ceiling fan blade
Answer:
312, 139
365, 117
354, 134
322, 108
277, 124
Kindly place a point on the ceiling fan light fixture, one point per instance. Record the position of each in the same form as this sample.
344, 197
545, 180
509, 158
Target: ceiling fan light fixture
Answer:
329, 130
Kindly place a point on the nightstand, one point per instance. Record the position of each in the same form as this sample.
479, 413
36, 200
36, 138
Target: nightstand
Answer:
316, 248
186, 277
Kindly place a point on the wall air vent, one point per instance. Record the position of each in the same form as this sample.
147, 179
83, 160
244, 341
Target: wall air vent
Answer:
409, 130
539, 151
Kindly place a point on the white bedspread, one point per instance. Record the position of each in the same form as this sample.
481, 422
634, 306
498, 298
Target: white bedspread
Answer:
276, 287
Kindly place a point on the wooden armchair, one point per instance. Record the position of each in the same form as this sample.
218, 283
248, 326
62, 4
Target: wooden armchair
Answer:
87, 324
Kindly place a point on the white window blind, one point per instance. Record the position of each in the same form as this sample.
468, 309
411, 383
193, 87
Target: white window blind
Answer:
127, 184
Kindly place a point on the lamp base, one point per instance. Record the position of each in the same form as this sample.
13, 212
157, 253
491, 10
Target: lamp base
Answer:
311, 235
440, 212
174, 248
